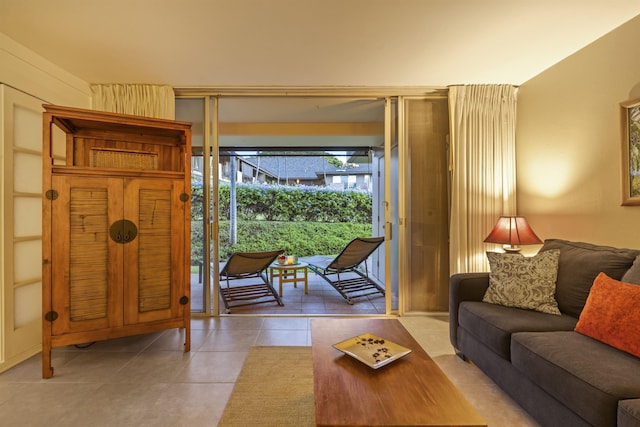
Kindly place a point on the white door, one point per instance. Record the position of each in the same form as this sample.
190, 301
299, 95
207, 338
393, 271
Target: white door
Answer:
21, 245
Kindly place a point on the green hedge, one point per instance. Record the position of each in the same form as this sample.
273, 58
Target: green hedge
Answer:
301, 220
283, 203
296, 238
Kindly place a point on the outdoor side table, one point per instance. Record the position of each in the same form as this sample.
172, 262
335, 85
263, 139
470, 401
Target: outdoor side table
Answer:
289, 274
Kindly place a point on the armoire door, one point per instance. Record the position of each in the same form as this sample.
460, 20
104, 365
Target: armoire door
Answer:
154, 262
86, 262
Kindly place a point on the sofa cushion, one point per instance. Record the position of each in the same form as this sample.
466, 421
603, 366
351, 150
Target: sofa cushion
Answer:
612, 314
585, 375
494, 324
629, 413
523, 282
579, 265
633, 274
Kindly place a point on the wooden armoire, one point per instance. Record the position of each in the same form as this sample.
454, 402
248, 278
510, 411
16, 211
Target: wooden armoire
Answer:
116, 227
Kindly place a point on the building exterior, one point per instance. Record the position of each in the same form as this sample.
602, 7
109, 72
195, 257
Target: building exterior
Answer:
298, 170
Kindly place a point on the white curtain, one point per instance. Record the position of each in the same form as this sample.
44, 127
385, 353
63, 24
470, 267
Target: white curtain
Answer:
483, 171
138, 99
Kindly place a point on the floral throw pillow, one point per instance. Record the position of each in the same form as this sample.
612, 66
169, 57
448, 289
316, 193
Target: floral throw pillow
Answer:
524, 282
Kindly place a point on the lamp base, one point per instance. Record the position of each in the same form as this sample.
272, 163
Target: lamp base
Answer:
510, 249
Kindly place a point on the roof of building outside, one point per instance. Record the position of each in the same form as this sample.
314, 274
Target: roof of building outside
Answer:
299, 167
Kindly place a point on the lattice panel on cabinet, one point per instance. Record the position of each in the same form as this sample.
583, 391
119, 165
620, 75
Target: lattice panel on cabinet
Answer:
89, 225
155, 250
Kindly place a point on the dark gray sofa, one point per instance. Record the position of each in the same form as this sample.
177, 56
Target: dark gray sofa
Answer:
560, 377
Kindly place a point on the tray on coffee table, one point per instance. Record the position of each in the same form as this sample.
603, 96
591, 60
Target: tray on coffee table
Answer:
372, 350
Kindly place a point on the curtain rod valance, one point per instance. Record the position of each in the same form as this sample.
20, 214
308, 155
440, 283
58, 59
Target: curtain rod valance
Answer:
156, 101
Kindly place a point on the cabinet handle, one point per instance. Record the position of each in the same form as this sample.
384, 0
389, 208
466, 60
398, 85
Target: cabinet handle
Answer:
123, 231
51, 316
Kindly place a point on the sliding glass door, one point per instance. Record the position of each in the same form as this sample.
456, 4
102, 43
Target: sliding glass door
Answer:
408, 184
426, 200
197, 110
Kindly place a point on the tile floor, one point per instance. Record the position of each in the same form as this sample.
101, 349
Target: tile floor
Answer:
148, 381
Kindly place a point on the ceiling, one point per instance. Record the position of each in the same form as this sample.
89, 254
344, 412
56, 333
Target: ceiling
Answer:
193, 43
299, 45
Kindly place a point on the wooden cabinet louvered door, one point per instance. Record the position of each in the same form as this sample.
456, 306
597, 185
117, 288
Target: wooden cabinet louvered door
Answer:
85, 258
116, 275
153, 260
116, 227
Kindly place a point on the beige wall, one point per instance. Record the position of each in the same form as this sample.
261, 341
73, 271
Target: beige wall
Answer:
568, 143
30, 73
26, 82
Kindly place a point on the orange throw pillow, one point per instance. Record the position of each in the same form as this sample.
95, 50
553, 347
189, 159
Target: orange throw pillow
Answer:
612, 314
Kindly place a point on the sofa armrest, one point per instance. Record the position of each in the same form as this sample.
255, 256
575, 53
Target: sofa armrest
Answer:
628, 413
464, 287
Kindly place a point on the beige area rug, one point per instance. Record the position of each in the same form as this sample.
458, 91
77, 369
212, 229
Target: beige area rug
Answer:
274, 388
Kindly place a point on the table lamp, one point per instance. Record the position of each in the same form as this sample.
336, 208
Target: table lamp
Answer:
511, 232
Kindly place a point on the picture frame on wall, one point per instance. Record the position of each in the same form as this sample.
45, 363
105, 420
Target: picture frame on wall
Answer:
630, 131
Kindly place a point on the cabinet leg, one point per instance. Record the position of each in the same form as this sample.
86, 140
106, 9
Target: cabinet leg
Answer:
187, 338
47, 369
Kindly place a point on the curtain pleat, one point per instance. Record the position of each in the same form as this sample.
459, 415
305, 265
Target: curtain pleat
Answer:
483, 176
156, 101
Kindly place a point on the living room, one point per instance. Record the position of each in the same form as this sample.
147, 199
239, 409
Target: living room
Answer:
568, 149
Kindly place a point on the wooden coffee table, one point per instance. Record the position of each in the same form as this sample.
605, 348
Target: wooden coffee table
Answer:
411, 391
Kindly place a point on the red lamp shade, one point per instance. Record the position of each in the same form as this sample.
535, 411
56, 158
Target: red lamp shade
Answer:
512, 231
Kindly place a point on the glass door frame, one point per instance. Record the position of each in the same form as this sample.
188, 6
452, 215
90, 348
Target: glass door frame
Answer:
393, 209
211, 239
394, 221
392, 212
209, 202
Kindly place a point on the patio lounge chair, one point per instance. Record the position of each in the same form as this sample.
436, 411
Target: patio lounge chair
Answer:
345, 272
246, 280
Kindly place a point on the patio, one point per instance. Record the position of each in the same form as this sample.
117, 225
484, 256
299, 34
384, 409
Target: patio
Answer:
321, 299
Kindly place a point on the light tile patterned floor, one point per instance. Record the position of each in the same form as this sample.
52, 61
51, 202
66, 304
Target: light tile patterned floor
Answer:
148, 381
